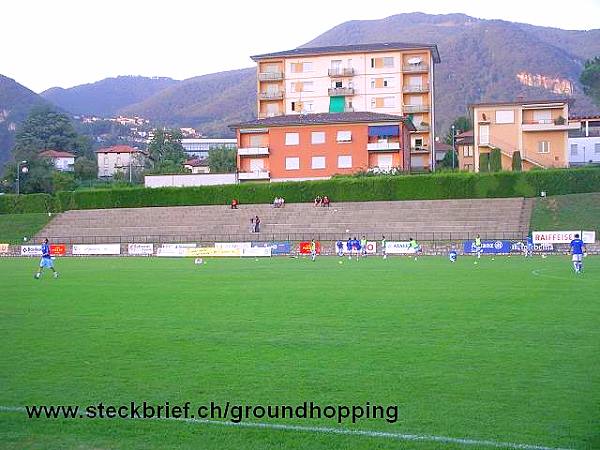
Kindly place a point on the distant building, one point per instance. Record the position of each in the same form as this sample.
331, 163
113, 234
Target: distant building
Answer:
317, 146
584, 142
441, 148
538, 129
387, 78
190, 133
63, 161
463, 143
201, 146
197, 165
120, 158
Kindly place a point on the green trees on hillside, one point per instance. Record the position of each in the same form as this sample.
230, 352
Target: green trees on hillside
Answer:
222, 160
590, 79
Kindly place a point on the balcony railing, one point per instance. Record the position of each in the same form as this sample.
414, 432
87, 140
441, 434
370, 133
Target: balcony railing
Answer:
341, 72
264, 115
270, 76
254, 175
548, 125
416, 88
415, 68
340, 91
253, 151
382, 146
276, 95
419, 150
422, 128
416, 108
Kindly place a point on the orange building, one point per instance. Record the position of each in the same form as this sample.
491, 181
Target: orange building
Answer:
537, 129
386, 78
317, 146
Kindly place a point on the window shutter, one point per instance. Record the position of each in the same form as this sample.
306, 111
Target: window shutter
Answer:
379, 82
379, 102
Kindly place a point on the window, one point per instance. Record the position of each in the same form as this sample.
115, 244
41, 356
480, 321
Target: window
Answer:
469, 167
384, 161
318, 162
297, 106
317, 137
573, 149
505, 116
292, 163
377, 63
388, 61
336, 64
418, 143
543, 147
467, 150
337, 84
542, 116
415, 80
389, 102
344, 136
295, 67
309, 86
388, 82
106, 160
118, 163
344, 162
308, 107
307, 67
597, 147
484, 134
255, 140
292, 139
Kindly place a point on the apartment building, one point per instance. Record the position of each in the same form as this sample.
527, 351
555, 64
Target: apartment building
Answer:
62, 161
537, 129
199, 147
385, 78
464, 149
317, 146
120, 158
584, 141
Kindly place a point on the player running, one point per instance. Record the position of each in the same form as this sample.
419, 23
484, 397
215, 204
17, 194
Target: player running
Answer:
478, 247
383, 242
415, 246
313, 250
577, 249
363, 246
453, 254
46, 261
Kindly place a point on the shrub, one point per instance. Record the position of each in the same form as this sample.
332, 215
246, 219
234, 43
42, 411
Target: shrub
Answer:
30, 203
484, 162
517, 162
495, 160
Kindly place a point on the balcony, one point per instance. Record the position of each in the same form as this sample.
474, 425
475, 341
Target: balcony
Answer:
421, 129
343, 91
416, 108
416, 88
270, 76
383, 146
255, 175
341, 72
419, 150
253, 151
415, 68
275, 95
264, 115
548, 125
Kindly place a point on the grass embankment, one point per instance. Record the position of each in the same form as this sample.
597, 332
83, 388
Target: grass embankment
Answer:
567, 212
14, 227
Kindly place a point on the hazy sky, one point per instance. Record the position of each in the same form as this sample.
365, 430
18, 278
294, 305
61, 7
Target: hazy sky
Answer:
48, 43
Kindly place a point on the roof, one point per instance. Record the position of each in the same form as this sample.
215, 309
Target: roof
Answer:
585, 117
520, 102
55, 154
197, 162
354, 48
442, 147
119, 149
323, 119
468, 133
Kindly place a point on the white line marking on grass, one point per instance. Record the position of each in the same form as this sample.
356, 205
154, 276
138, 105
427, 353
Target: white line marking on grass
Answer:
346, 432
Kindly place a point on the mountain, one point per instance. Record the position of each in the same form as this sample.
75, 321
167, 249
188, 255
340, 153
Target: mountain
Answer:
104, 98
15, 103
208, 103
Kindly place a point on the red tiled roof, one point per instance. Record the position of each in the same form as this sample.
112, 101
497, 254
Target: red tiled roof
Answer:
119, 149
464, 134
197, 162
55, 154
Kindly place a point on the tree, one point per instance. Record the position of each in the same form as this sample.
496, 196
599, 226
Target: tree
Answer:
517, 163
85, 168
62, 181
590, 79
495, 160
166, 152
448, 162
484, 162
461, 124
222, 160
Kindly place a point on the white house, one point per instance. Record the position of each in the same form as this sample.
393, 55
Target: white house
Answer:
197, 165
584, 143
63, 161
120, 158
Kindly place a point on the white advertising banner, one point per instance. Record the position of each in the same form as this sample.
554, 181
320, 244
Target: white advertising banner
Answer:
398, 248
371, 248
140, 249
588, 237
96, 249
166, 246
3, 248
31, 250
557, 237
172, 251
256, 251
241, 246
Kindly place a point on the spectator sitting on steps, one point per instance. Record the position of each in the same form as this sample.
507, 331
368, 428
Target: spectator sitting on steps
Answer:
234, 204
318, 200
256, 224
325, 201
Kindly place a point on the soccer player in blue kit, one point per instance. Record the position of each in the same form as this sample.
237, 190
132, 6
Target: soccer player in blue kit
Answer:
46, 261
577, 250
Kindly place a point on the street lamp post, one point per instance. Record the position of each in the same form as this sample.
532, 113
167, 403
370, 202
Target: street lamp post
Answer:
24, 169
453, 151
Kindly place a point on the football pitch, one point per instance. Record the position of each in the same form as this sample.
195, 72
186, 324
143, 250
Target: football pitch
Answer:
502, 354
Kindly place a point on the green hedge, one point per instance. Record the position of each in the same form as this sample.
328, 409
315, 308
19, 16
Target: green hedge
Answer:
30, 203
349, 189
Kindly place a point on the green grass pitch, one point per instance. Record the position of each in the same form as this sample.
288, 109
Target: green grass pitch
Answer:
503, 351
